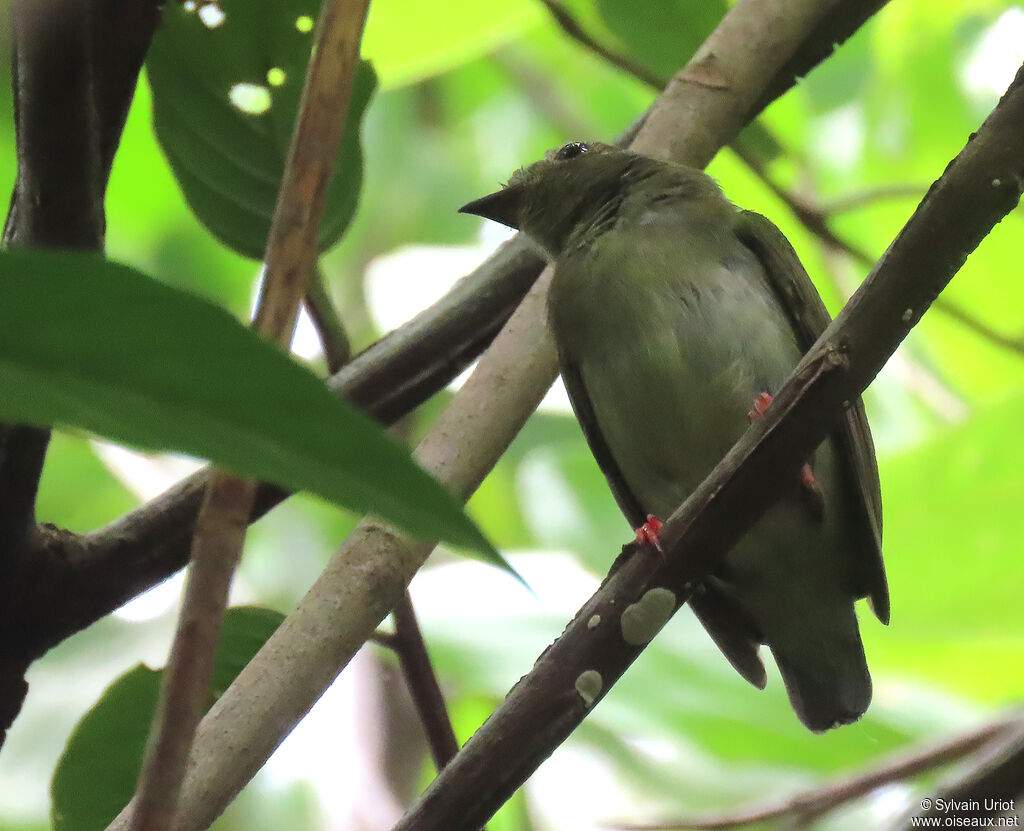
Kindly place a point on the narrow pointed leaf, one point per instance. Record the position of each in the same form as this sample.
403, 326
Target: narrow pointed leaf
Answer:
95, 345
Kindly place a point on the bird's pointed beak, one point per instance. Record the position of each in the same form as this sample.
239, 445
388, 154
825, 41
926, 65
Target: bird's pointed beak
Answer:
501, 206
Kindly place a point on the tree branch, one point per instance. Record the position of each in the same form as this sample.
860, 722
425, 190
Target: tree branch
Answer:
228, 502
422, 683
806, 807
325, 317
855, 200
572, 27
990, 788
74, 71
578, 669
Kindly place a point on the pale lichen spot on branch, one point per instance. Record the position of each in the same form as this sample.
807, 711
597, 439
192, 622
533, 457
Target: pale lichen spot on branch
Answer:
642, 620
589, 685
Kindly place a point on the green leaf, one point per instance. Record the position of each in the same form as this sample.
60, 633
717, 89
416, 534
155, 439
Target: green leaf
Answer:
96, 774
95, 345
225, 100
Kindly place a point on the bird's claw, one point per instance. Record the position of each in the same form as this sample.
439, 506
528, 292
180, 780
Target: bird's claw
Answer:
810, 488
760, 405
647, 534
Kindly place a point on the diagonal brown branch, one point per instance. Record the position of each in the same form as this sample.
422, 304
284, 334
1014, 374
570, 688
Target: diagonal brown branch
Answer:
411, 650
220, 527
327, 321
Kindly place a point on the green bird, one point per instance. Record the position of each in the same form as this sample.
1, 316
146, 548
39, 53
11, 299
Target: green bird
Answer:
676, 316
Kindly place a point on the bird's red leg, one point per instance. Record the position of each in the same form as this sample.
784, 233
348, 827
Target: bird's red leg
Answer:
760, 405
809, 486
647, 534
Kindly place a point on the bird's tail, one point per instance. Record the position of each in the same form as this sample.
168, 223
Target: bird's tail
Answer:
825, 671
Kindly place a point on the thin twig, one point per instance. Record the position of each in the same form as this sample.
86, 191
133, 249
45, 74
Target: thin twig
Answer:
327, 320
927, 384
807, 806
544, 97
574, 29
223, 518
855, 200
422, 682
385, 639
991, 786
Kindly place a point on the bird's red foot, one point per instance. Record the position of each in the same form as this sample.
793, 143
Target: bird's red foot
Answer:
810, 488
760, 405
647, 534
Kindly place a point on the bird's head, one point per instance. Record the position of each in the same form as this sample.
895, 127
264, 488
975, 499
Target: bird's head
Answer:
566, 192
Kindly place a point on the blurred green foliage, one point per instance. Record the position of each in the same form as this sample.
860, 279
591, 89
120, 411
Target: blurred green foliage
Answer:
468, 93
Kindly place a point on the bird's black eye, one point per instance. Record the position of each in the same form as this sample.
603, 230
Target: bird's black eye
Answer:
571, 150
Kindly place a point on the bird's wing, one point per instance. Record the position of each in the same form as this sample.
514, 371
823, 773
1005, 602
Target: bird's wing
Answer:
584, 410
809, 318
730, 627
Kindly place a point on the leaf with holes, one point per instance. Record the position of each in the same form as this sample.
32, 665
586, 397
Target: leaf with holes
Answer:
95, 345
226, 83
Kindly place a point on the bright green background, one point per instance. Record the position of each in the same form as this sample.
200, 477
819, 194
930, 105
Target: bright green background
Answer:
468, 92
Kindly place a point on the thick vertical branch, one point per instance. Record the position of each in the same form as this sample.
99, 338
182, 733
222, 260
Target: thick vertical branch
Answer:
71, 95
57, 200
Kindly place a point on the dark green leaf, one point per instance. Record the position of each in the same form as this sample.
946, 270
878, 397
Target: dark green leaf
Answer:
96, 774
91, 344
224, 105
